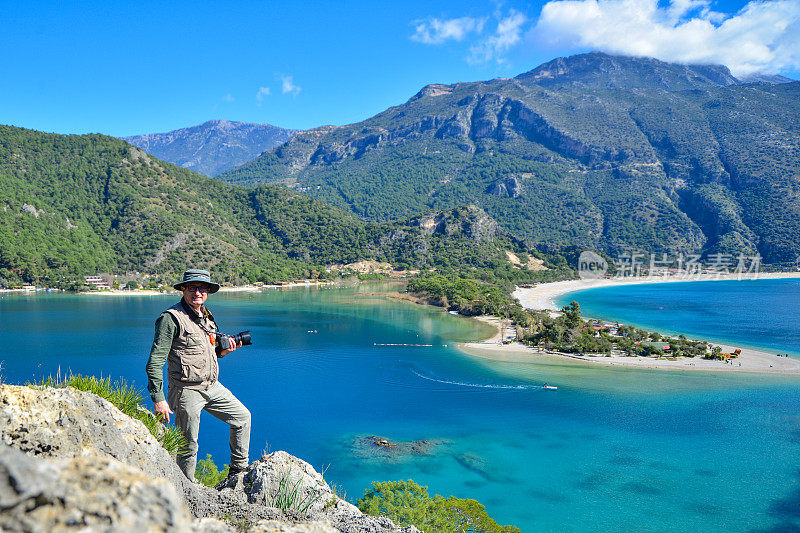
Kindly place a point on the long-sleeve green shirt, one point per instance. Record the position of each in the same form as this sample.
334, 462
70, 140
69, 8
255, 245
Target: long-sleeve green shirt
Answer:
166, 326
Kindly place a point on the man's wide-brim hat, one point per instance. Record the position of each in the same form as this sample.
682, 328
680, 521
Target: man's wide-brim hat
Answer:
197, 276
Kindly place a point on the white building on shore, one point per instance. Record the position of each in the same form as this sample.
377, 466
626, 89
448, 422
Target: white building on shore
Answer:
98, 282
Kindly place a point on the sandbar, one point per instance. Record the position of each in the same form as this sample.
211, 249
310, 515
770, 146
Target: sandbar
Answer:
543, 296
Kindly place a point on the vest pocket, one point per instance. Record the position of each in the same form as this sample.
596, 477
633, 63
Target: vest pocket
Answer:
194, 362
194, 367
194, 343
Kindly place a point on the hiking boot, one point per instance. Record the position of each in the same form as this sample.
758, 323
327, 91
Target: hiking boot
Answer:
233, 471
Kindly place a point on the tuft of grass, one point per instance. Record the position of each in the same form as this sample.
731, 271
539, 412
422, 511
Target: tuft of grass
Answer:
287, 496
266, 451
330, 504
337, 489
127, 399
240, 524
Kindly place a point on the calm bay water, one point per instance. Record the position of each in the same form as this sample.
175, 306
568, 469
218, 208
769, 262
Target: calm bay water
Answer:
610, 450
763, 313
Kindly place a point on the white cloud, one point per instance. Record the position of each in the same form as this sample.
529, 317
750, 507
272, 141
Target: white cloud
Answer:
229, 98
261, 93
507, 34
764, 36
680, 9
436, 31
288, 86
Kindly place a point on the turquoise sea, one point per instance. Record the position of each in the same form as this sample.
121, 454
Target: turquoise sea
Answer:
761, 313
610, 450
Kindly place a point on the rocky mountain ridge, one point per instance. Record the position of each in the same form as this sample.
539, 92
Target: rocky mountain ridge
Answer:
71, 461
614, 153
213, 146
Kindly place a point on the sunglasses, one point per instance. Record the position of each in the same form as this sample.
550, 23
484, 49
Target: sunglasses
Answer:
197, 288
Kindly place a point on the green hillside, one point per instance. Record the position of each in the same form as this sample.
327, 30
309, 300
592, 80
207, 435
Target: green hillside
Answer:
608, 152
76, 205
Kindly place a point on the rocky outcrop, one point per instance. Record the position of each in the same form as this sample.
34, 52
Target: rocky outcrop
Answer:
70, 460
510, 186
471, 222
363, 267
91, 493
434, 89
68, 423
356, 147
313, 499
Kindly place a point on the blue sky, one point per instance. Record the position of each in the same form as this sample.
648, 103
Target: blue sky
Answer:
123, 68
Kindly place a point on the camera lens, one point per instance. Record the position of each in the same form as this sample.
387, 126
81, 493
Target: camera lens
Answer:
243, 337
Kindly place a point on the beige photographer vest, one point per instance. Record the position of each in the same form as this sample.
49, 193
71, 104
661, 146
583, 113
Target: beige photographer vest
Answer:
192, 361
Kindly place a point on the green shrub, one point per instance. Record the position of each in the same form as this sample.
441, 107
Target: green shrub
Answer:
208, 474
372, 276
406, 503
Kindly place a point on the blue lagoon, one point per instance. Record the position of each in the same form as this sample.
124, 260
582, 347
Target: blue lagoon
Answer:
611, 449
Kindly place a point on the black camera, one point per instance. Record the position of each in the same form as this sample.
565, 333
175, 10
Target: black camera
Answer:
243, 337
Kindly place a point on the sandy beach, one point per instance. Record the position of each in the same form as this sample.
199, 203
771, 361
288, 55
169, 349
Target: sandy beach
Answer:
259, 288
543, 297
117, 292
748, 361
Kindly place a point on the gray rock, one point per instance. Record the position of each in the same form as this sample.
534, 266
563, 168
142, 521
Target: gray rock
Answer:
282, 480
90, 493
70, 423
274, 526
72, 460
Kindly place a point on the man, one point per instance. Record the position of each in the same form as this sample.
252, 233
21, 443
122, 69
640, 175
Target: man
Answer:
186, 339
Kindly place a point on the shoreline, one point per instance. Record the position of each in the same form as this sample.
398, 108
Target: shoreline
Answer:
170, 290
543, 297
750, 361
237, 288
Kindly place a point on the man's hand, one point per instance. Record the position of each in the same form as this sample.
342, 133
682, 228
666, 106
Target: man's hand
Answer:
232, 347
163, 409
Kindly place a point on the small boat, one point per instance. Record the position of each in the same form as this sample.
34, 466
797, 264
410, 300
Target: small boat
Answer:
549, 387
453, 312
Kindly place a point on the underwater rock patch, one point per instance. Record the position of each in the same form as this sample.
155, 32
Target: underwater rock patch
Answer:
374, 446
474, 462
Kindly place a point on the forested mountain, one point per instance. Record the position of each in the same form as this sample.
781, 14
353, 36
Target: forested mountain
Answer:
615, 153
214, 146
74, 205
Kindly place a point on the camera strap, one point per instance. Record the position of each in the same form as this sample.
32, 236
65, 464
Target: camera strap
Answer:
212, 335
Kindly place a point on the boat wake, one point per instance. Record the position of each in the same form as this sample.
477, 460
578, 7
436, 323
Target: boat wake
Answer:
478, 385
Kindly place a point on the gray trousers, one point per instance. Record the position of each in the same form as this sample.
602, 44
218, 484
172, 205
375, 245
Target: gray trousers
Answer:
221, 403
